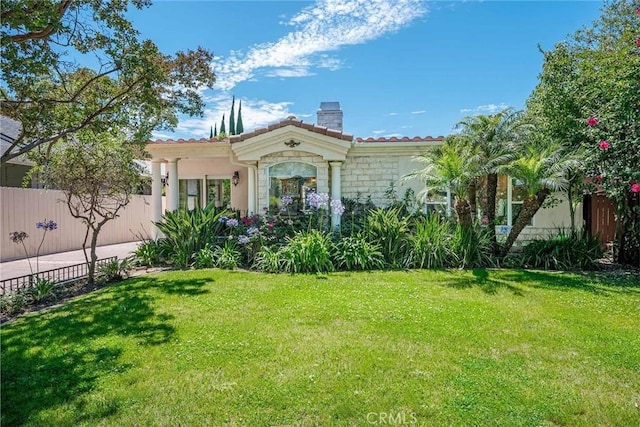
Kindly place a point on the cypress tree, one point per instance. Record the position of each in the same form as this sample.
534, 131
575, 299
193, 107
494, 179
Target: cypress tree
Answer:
223, 129
232, 120
239, 126
215, 130
211, 133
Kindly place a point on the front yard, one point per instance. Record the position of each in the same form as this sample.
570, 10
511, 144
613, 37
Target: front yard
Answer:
213, 347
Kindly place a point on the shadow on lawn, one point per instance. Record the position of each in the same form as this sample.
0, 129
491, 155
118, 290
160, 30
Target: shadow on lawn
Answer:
490, 282
482, 279
53, 358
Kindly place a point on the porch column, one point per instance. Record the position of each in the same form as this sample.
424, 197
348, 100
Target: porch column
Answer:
156, 196
336, 191
251, 190
173, 193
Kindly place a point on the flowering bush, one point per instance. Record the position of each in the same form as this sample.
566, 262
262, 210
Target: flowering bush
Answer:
18, 237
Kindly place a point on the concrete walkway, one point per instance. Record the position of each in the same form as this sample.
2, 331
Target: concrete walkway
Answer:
20, 267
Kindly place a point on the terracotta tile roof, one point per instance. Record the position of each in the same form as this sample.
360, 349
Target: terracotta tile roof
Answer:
185, 141
293, 121
403, 139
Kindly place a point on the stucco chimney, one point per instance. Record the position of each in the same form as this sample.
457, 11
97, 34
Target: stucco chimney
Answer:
330, 115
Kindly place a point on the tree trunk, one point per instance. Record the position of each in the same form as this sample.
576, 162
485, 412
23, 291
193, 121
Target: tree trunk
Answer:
572, 209
94, 255
473, 190
530, 206
492, 189
463, 212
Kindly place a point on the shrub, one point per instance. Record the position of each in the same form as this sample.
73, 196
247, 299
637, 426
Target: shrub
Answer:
227, 256
386, 229
149, 253
565, 251
186, 232
431, 243
307, 252
15, 302
472, 247
115, 270
40, 291
205, 258
268, 260
356, 253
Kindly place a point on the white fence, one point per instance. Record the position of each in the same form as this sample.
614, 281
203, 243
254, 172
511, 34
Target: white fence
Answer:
22, 208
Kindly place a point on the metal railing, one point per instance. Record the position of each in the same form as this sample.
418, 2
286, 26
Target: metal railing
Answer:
62, 275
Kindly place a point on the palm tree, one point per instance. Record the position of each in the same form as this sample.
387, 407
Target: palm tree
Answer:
541, 169
450, 166
494, 137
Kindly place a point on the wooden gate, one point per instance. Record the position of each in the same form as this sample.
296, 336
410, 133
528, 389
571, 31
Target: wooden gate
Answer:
600, 218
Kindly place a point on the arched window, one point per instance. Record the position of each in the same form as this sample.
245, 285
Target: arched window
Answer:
292, 179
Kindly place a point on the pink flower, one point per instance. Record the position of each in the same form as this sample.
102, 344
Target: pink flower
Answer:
592, 121
604, 145
638, 11
638, 42
635, 187
599, 177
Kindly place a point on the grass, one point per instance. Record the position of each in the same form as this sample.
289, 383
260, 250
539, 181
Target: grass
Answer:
211, 347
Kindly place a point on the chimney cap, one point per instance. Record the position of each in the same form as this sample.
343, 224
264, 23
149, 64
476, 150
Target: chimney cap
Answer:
330, 106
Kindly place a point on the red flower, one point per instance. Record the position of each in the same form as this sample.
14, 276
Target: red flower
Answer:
604, 145
599, 177
638, 11
592, 121
638, 42
635, 187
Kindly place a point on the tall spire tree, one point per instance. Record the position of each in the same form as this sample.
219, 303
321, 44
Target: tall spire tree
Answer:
232, 120
215, 130
223, 129
239, 126
211, 133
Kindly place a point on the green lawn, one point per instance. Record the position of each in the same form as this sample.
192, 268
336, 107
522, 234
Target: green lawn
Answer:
212, 347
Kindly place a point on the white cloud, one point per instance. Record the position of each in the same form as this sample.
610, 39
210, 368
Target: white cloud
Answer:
392, 114
419, 112
255, 113
290, 72
379, 132
325, 26
485, 109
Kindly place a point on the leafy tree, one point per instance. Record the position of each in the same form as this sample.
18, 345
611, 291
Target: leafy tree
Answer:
98, 176
493, 137
239, 125
452, 165
133, 86
541, 168
589, 97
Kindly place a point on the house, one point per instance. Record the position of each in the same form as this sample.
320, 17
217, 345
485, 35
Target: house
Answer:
12, 174
250, 172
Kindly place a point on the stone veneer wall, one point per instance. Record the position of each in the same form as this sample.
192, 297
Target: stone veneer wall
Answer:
371, 175
290, 156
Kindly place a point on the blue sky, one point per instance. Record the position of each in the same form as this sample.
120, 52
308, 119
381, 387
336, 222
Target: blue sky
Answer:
397, 67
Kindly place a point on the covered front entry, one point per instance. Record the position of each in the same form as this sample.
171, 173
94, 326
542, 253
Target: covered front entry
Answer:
250, 172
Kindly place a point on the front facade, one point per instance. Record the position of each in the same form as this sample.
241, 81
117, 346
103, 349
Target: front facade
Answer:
251, 172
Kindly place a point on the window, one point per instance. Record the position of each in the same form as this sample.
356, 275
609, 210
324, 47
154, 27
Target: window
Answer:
437, 202
509, 198
199, 192
189, 193
292, 179
219, 192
